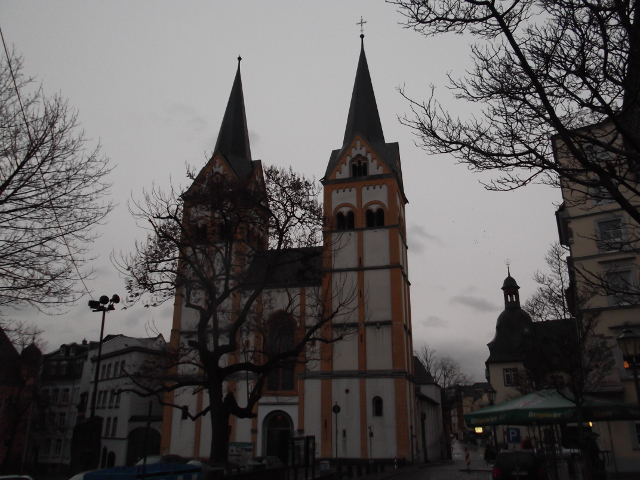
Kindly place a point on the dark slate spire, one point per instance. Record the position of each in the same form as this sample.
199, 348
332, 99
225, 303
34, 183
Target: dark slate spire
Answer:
363, 112
233, 139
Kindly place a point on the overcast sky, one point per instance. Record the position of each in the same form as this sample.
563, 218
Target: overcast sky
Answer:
150, 81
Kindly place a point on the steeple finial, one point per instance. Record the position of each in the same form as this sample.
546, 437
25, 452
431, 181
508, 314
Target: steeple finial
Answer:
233, 138
361, 23
507, 262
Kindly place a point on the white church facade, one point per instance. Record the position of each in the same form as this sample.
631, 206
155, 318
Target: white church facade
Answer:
369, 374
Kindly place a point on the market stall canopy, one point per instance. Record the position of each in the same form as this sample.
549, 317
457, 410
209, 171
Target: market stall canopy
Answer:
548, 407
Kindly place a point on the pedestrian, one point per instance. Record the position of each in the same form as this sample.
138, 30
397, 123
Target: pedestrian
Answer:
489, 454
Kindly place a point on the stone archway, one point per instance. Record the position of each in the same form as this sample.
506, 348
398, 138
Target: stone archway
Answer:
277, 430
135, 444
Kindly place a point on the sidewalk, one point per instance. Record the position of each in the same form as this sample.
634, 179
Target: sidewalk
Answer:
455, 469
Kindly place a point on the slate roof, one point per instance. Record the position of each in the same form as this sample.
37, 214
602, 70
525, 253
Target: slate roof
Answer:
294, 267
421, 375
233, 138
363, 113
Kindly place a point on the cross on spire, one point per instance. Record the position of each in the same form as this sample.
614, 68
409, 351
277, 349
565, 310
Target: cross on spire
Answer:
361, 23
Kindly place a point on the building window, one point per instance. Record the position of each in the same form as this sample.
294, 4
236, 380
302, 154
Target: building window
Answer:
359, 168
103, 372
600, 195
345, 220
62, 419
375, 217
57, 447
63, 351
72, 351
610, 234
111, 397
114, 426
65, 395
377, 406
47, 448
107, 429
122, 368
54, 396
510, 377
281, 339
109, 371
118, 400
115, 369
621, 287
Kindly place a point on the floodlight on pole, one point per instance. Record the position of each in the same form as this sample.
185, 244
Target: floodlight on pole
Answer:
103, 305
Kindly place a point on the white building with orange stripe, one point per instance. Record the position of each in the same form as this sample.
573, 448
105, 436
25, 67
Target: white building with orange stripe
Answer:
369, 374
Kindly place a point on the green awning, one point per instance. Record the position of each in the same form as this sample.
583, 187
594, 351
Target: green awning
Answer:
547, 407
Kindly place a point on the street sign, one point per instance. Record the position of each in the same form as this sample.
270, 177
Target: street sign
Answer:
513, 435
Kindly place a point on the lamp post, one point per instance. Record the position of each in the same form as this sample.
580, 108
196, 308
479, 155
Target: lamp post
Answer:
103, 305
336, 410
491, 393
629, 343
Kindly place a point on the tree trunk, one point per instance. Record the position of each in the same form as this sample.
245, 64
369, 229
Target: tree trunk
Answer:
219, 454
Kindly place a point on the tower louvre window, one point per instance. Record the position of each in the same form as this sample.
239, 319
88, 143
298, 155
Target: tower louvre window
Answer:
359, 168
375, 217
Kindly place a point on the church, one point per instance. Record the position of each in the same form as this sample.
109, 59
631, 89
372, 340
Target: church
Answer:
361, 397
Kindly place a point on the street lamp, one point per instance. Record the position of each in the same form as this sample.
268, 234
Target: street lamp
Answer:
336, 410
103, 305
629, 343
491, 393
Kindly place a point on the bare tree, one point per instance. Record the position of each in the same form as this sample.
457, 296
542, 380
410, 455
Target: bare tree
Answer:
51, 191
566, 68
216, 247
563, 352
446, 372
22, 334
550, 301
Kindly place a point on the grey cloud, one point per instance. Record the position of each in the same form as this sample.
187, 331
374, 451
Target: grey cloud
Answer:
474, 303
419, 237
434, 321
187, 115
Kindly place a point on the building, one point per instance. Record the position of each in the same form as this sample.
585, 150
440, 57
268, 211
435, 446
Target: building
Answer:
429, 432
125, 414
603, 244
66, 389
18, 394
368, 376
468, 398
63, 400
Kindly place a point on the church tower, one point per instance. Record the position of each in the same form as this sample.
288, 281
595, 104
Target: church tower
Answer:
369, 373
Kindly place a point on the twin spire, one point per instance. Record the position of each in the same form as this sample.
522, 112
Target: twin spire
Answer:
363, 119
363, 113
233, 139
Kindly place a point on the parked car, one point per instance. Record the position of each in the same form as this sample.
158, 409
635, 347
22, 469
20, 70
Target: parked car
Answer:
80, 476
518, 465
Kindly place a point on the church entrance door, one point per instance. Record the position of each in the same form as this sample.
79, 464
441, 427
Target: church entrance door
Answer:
278, 427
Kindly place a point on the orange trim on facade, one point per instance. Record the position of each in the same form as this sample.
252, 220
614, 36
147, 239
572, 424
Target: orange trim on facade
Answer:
402, 418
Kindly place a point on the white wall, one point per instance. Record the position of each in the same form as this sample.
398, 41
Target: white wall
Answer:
384, 427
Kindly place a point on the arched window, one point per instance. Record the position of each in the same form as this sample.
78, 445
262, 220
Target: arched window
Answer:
280, 339
359, 168
344, 222
377, 406
374, 217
